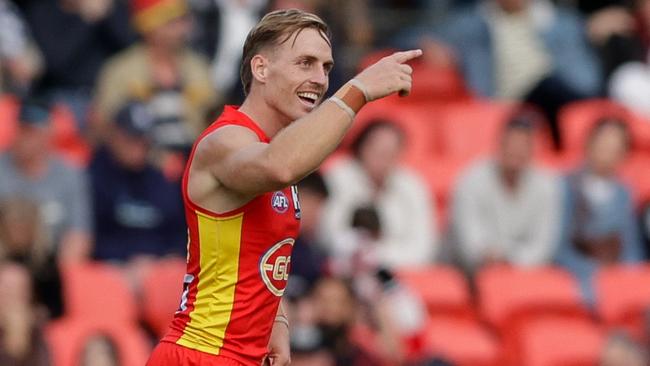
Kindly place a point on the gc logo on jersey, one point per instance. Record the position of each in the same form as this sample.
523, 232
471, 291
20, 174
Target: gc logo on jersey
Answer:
280, 202
274, 266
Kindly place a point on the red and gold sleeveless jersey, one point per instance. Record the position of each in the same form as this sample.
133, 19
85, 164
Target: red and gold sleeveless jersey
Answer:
237, 268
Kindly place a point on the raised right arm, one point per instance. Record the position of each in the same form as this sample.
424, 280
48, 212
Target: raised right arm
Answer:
248, 167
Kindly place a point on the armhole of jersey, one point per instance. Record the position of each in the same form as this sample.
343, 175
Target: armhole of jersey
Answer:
215, 126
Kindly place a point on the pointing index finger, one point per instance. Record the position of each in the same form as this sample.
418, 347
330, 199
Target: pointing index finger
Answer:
404, 56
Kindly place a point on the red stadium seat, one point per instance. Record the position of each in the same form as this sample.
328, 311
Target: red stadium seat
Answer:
443, 289
8, 123
471, 129
510, 297
623, 295
576, 119
441, 175
161, 295
461, 341
67, 140
561, 342
98, 294
507, 292
66, 339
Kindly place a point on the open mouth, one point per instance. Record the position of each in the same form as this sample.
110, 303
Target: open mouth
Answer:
308, 98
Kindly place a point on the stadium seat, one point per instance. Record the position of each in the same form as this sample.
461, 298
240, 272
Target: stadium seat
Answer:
576, 119
67, 140
441, 175
507, 292
98, 294
443, 289
623, 295
510, 297
548, 341
161, 293
8, 125
471, 129
462, 341
66, 339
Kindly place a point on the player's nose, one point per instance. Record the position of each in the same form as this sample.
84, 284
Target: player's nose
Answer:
319, 76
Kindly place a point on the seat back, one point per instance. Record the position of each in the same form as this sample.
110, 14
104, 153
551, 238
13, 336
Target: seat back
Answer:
161, 293
66, 339
98, 294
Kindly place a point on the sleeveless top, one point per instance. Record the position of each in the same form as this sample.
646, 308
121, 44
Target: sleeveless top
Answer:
237, 267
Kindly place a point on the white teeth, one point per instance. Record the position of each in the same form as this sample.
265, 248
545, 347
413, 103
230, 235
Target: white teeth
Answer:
312, 96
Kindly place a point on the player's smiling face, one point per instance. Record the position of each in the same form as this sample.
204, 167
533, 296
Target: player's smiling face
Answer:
298, 73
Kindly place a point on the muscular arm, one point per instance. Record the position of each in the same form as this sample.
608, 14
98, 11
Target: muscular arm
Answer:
242, 164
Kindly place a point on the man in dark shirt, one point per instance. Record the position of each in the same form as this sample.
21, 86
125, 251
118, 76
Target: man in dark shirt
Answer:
76, 37
137, 212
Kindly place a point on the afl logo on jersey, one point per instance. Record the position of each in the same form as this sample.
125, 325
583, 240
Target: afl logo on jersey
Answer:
280, 202
274, 266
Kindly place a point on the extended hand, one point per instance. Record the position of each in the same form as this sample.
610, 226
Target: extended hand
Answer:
389, 75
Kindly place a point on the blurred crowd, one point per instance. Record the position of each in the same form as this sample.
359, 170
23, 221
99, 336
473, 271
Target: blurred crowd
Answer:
480, 168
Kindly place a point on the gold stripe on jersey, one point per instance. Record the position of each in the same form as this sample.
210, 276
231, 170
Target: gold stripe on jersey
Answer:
219, 245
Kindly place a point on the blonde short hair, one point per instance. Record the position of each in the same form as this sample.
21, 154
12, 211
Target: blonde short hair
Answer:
271, 29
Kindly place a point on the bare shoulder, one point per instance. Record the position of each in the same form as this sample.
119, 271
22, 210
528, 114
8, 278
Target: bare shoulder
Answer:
218, 144
205, 188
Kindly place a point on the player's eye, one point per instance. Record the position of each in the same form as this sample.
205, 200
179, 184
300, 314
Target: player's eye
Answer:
305, 63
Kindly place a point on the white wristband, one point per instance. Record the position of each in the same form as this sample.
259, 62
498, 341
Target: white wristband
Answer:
361, 87
282, 319
343, 106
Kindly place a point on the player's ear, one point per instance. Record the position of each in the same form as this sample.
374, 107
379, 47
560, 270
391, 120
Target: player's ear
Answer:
259, 68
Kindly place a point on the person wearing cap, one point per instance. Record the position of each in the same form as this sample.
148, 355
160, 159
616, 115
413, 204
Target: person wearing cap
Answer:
505, 209
162, 71
138, 213
30, 169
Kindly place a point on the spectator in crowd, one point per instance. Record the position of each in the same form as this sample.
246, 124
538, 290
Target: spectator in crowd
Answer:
21, 338
22, 241
338, 316
138, 213
307, 259
99, 350
20, 60
598, 222
614, 31
373, 177
505, 208
355, 253
76, 37
525, 50
161, 71
630, 80
31, 169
